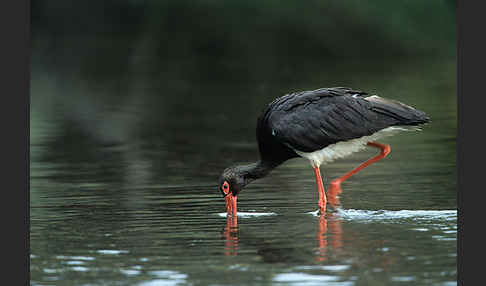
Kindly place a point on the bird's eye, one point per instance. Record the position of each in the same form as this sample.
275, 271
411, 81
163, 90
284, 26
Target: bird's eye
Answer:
225, 187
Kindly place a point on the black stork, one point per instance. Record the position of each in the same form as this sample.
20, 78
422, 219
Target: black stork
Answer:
321, 125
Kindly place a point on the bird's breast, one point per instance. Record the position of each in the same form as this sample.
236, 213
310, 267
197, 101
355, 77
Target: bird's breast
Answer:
345, 148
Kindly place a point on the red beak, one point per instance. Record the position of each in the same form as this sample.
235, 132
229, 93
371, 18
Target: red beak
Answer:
231, 204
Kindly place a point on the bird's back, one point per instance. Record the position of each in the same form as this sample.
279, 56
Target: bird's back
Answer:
311, 120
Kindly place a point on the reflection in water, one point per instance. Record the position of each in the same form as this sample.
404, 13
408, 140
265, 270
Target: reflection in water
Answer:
330, 234
325, 227
231, 236
333, 227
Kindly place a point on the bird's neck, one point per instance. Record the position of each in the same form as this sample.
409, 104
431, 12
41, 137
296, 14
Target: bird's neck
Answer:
256, 170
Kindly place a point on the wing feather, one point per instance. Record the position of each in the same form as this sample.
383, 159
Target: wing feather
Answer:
311, 120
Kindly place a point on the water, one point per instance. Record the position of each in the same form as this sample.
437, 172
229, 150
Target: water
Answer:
123, 188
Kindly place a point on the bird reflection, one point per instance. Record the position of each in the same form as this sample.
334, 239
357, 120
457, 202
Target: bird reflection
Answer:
231, 236
329, 223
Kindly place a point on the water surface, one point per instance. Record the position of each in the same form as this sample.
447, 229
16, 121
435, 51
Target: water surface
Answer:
124, 192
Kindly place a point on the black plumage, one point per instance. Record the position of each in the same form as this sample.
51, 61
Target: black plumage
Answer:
311, 120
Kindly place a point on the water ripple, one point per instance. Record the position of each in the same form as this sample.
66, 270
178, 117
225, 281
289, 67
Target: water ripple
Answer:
382, 215
249, 214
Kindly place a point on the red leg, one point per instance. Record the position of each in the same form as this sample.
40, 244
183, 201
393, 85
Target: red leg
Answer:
335, 186
320, 190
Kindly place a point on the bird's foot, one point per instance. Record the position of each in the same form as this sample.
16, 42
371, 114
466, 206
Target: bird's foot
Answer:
333, 193
335, 188
334, 201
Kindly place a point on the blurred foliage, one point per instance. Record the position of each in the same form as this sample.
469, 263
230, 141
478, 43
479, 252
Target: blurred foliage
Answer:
209, 40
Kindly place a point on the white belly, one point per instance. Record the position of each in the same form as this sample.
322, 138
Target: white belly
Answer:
346, 148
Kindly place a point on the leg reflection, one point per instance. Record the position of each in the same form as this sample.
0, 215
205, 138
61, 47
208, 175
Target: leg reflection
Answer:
322, 239
329, 234
231, 236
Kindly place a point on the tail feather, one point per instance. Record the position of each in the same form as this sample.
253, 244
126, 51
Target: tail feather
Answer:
402, 113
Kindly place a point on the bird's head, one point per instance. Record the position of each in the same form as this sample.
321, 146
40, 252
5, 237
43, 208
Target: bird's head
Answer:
230, 184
